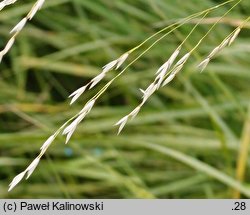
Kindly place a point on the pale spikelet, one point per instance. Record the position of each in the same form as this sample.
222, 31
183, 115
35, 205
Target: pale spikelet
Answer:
164, 67
142, 91
40, 4
162, 71
203, 64
70, 129
47, 143
224, 43
37, 6
109, 66
69, 134
16, 180
80, 118
134, 113
214, 52
75, 123
149, 91
115, 63
121, 60
79, 90
6, 3
76, 94
234, 36
160, 78
97, 79
1, 56
121, 123
19, 26
87, 108
72, 126
30, 169
8, 45
183, 59
177, 69
174, 56
168, 79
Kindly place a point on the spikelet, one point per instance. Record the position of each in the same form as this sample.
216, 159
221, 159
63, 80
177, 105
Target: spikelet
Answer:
115, 64
226, 42
5, 3
121, 123
70, 129
16, 180
162, 71
30, 169
203, 64
20, 25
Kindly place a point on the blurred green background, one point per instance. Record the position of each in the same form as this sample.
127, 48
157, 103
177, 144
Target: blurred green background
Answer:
189, 141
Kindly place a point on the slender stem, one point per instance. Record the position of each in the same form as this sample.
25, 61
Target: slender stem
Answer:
181, 21
213, 26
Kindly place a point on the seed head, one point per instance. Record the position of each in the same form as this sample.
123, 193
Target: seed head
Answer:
76, 94
19, 26
16, 180
204, 64
121, 123
121, 60
30, 169
234, 36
